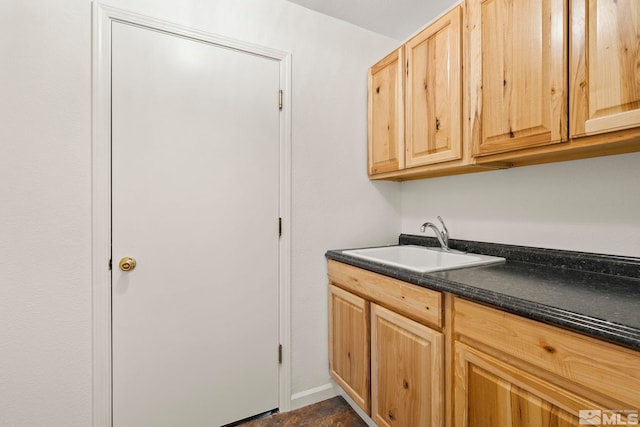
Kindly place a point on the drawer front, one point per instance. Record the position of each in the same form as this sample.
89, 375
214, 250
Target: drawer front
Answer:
418, 303
575, 360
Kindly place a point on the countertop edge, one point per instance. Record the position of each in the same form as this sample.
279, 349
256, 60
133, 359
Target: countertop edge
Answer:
598, 328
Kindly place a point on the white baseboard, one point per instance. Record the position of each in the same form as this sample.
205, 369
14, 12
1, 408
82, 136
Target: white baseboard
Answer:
355, 406
311, 396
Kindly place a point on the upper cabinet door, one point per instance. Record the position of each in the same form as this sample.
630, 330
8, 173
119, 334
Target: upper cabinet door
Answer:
386, 118
605, 65
517, 74
433, 98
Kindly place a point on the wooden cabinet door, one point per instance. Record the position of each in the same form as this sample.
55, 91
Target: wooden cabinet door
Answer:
605, 61
489, 392
433, 98
406, 368
349, 344
516, 74
386, 115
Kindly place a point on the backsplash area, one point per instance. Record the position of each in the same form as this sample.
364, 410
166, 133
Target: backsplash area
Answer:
590, 205
624, 266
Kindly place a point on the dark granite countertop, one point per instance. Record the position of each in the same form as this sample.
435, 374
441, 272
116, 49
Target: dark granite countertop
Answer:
598, 295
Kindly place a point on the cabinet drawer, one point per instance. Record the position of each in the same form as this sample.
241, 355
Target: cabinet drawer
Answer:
575, 360
421, 304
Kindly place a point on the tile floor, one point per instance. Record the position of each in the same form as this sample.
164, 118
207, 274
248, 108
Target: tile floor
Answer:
334, 412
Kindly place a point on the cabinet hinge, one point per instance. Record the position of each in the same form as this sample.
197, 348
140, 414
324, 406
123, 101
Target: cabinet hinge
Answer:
279, 226
110, 265
280, 353
280, 99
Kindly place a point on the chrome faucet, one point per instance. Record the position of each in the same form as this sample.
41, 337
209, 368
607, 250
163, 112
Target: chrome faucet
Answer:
442, 236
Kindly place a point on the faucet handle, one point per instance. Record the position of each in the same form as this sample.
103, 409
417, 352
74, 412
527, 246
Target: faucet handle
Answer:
445, 232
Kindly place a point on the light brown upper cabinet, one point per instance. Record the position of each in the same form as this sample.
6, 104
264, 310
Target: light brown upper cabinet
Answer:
516, 74
418, 132
386, 114
540, 80
433, 99
605, 61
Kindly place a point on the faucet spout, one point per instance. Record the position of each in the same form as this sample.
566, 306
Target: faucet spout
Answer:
441, 236
444, 232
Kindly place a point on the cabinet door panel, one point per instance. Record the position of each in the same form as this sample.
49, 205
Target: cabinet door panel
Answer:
490, 392
407, 364
433, 105
386, 118
605, 65
349, 344
517, 74
586, 363
496, 402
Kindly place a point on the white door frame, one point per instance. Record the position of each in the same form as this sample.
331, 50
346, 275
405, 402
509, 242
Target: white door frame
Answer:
103, 16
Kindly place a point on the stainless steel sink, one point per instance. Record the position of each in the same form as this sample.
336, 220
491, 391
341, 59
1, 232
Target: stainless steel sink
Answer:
423, 259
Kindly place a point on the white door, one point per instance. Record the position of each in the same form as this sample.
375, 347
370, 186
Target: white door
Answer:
195, 201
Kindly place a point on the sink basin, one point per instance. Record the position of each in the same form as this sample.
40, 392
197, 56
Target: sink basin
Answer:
422, 259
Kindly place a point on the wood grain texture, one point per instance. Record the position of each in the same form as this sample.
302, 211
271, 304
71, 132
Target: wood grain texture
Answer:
349, 350
490, 392
433, 93
516, 74
407, 371
603, 372
604, 64
386, 114
515, 86
449, 372
437, 170
421, 304
603, 144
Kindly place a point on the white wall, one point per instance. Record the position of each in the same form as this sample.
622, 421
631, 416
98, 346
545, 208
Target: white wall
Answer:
45, 167
45, 290
590, 205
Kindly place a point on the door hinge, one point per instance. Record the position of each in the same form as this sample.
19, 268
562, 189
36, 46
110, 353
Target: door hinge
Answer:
110, 265
279, 226
280, 353
280, 99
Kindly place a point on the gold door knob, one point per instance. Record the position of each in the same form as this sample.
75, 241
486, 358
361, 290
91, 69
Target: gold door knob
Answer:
127, 264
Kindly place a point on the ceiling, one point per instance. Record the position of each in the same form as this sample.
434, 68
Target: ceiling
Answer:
397, 19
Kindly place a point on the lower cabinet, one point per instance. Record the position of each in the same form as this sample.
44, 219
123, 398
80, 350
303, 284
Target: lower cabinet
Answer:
516, 372
493, 393
406, 371
391, 365
349, 344
408, 359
